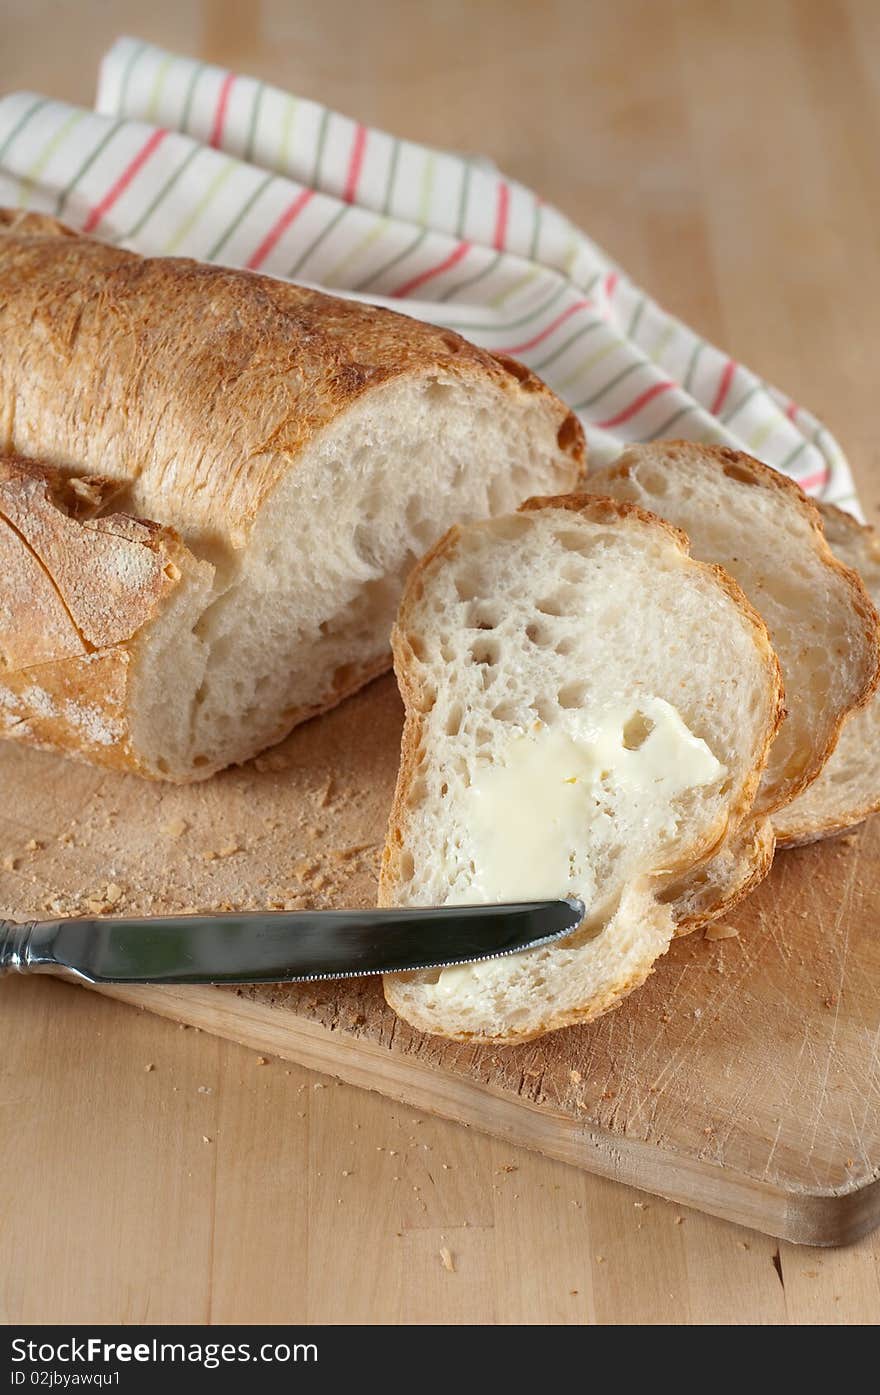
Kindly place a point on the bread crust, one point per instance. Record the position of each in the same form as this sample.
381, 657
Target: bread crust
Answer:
192, 390
753, 846
199, 385
601, 510
80, 588
811, 830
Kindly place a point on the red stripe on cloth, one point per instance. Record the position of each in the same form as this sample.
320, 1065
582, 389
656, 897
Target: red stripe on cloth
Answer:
815, 481
123, 181
792, 410
502, 211
452, 260
220, 113
279, 227
548, 329
611, 283
635, 406
355, 163
723, 387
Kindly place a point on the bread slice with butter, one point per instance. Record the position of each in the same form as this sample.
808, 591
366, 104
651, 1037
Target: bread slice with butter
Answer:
848, 789
588, 712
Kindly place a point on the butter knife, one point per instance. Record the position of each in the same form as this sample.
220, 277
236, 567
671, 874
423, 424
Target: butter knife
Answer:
280, 946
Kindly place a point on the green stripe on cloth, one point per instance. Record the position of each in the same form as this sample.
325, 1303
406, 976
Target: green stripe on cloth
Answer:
519, 285
636, 316
563, 348
166, 187
589, 362
252, 124
392, 176
239, 218
427, 188
670, 422
746, 397
319, 148
692, 364
188, 99
316, 242
287, 126
536, 231
158, 87
472, 280
22, 123
612, 383
85, 167
334, 273
463, 199
188, 223
393, 261
510, 324
133, 58
34, 170
662, 342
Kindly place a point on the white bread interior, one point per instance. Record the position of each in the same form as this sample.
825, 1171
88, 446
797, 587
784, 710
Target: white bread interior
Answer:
303, 614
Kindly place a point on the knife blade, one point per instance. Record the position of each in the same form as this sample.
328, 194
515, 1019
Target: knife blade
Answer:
281, 946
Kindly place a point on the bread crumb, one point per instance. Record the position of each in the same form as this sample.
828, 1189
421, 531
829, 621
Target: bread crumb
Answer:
175, 828
718, 931
446, 1258
261, 1061
205, 1138
32, 845
345, 1172
575, 1077
113, 893
205, 1090
149, 1066
679, 1220
507, 1167
10, 864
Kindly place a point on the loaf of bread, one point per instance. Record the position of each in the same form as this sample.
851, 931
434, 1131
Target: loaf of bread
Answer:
213, 486
588, 711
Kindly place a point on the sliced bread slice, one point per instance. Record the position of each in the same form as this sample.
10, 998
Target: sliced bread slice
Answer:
848, 789
717, 885
761, 527
588, 711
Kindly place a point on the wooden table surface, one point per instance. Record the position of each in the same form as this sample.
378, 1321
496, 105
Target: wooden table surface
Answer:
725, 153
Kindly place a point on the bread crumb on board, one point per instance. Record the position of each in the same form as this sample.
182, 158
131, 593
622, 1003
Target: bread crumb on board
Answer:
446, 1259
175, 828
717, 930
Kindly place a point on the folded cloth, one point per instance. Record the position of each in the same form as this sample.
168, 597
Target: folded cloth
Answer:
184, 158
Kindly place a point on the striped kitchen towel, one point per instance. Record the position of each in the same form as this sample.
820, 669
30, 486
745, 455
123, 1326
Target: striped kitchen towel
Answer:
180, 157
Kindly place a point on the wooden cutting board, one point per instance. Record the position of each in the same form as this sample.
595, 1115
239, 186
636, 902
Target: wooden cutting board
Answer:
743, 1079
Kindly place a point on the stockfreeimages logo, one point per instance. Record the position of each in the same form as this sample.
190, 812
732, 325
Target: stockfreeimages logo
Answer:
93, 1351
